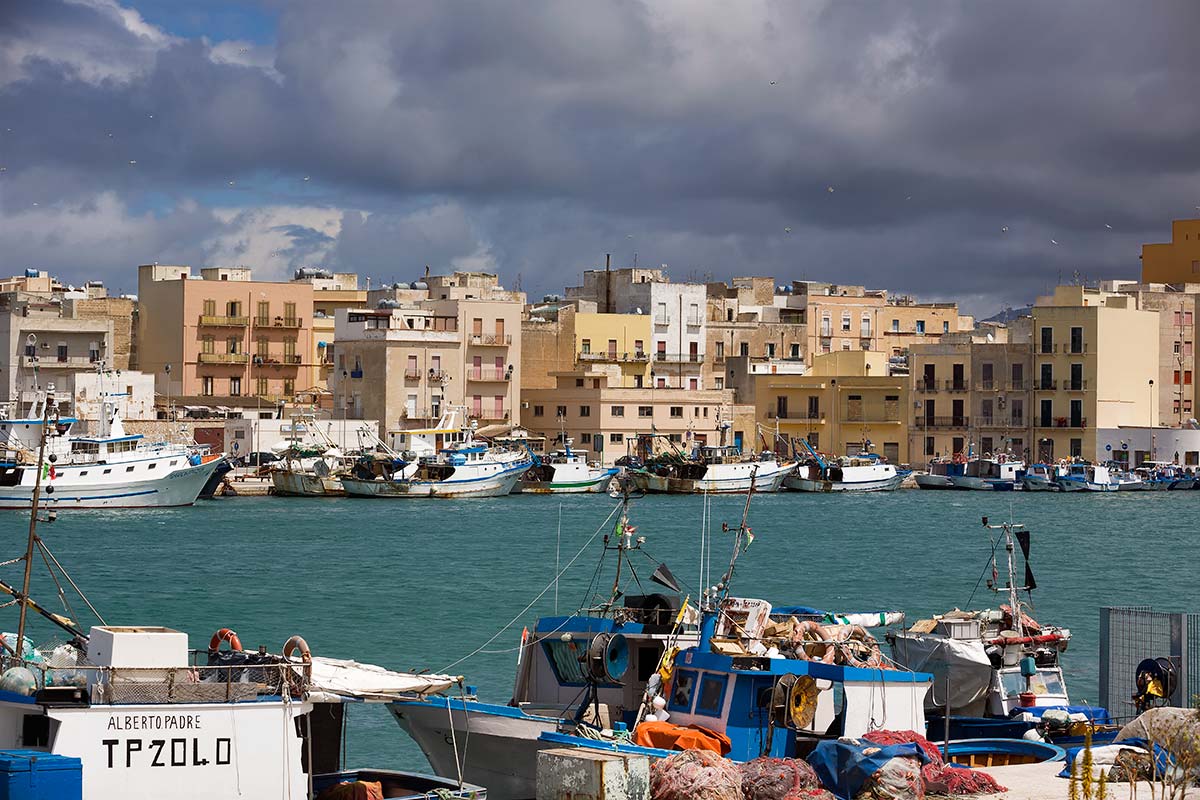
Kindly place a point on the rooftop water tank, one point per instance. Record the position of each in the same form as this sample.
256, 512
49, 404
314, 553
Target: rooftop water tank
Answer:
420, 285
388, 303
31, 273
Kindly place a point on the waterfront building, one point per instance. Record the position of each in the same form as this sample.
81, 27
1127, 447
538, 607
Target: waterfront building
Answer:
677, 310
415, 350
228, 339
748, 319
1175, 262
1096, 365
611, 420
1137, 444
331, 291
568, 338
846, 402
972, 392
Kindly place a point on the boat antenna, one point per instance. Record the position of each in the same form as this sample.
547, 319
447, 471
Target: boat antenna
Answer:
742, 537
49, 408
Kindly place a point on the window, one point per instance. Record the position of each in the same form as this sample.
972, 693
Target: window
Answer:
560, 411
814, 439
539, 411
1047, 340
639, 347
62, 351
1187, 377
262, 348
712, 695
585, 438
1076, 340
289, 387
645, 411
233, 345
289, 314
845, 320
895, 326
235, 387
675, 437
210, 308
233, 308
289, 350
260, 387
579, 382
585, 411
770, 349
928, 445
1176, 378
585, 346
718, 383
263, 315
744, 349
616, 438
94, 352
719, 350
1076, 448
794, 351
1047, 376
945, 326
677, 412
826, 326
618, 411
206, 386
693, 383
920, 327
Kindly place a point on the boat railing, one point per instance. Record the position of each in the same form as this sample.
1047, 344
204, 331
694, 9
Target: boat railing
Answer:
170, 685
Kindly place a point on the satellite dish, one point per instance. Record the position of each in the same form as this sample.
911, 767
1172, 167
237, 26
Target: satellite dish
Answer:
990, 338
639, 310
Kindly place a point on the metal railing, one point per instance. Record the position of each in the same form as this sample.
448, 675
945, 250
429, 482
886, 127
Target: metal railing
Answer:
956, 386
927, 386
224, 358
1044, 385
934, 423
1079, 423
488, 374
635, 357
224, 322
412, 374
811, 416
1001, 422
499, 339
1075, 386
679, 358
58, 362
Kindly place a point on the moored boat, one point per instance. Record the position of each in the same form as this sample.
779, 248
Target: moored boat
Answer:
939, 474
712, 469
866, 472
1081, 476
1040, 478
565, 472
1001, 473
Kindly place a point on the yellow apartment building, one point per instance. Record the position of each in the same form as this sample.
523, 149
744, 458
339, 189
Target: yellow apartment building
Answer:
1096, 365
612, 420
845, 403
568, 339
1177, 261
331, 291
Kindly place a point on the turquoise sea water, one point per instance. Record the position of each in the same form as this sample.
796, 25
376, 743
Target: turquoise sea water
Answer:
419, 584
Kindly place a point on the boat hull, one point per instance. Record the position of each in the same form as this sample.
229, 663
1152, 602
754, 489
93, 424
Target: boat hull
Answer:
927, 481
563, 487
1038, 484
798, 484
180, 487
981, 484
765, 480
496, 485
300, 484
503, 747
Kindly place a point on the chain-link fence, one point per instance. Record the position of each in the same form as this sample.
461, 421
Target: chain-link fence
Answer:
1128, 635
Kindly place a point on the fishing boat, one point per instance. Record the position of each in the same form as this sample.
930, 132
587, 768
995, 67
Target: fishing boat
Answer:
565, 471
600, 668
939, 474
1001, 473
1081, 476
121, 711
1000, 669
866, 472
110, 469
1126, 481
1041, 478
712, 469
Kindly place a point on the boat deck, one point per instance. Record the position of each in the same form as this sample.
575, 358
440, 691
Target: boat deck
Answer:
1041, 782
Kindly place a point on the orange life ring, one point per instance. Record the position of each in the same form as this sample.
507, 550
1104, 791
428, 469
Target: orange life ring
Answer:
812, 642
224, 635
291, 646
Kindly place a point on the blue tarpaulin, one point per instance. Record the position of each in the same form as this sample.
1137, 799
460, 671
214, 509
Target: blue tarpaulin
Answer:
844, 765
1162, 758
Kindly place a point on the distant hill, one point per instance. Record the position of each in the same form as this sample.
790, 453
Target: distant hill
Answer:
1009, 314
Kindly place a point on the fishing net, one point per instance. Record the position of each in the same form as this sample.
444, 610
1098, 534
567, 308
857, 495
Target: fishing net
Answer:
695, 775
898, 779
940, 777
781, 779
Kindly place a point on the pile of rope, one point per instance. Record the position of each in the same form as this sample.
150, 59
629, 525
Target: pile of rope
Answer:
940, 777
695, 775
781, 779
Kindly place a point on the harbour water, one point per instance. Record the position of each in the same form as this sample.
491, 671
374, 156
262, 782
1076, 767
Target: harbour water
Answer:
419, 584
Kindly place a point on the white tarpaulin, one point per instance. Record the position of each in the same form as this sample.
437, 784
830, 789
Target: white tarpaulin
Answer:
964, 661
335, 676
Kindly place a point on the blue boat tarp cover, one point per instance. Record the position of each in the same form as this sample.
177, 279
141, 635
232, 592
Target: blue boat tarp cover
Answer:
1101, 755
1097, 714
844, 766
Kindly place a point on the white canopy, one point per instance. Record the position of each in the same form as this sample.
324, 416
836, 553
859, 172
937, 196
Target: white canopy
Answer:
335, 678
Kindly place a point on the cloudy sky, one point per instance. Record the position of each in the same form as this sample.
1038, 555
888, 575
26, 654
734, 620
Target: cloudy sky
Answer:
967, 150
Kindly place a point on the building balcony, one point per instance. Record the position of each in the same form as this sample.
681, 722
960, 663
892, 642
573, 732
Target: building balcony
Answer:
1001, 422
805, 416
1019, 386
59, 362
694, 322
662, 319
438, 376
1079, 423
212, 321
956, 386
942, 423
872, 417
1071, 350
491, 339
928, 387
224, 358
488, 375
279, 360
614, 358
678, 358
1075, 386
492, 416
412, 374
987, 386
1046, 386
287, 322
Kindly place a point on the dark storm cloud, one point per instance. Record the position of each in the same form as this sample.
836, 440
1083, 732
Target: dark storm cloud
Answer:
533, 138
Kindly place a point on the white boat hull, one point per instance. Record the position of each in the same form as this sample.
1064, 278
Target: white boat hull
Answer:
599, 484
768, 478
798, 484
71, 490
302, 484
927, 481
495, 485
501, 748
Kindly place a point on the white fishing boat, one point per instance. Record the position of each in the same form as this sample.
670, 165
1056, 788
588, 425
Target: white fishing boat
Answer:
712, 470
1084, 477
1040, 478
1000, 473
131, 711
939, 475
463, 466
310, 463
565, 472
110, 469
865, 472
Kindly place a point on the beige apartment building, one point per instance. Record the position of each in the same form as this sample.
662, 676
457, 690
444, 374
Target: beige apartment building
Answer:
845, 403
449, 340
228, 339
612, 420
748, 319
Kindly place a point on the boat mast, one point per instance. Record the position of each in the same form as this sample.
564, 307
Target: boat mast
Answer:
33, 517
1014, 600
742, 534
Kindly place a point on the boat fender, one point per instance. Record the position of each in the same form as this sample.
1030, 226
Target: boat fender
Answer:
852, 642
224, 635
291, 646
812, 642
